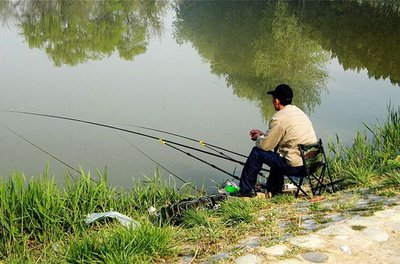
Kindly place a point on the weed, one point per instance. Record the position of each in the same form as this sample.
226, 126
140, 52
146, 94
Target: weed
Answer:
293, 251
389, 192
234, 211
284, 199
321, 218
192, 218
358, 227
392, 180
317, 207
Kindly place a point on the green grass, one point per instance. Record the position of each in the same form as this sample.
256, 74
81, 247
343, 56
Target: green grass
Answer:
35, 214
371, 154
235, 211
144, 244
392, 180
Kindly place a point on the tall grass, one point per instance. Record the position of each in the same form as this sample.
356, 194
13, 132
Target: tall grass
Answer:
121, 245
371, 155
35, 213
235, 211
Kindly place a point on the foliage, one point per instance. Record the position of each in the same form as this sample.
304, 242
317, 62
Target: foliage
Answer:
362, 162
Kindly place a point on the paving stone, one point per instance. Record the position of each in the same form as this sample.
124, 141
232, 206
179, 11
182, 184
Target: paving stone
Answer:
362, 203
185, 260
289, 261
248, 259
391, 201
315, 257
219, 256
345, 249
335, 217
251, 242
396, 226
336, 230
363, 221
277, 250
376, 198
342, 237
283, 224
287, 236
375, 234
309, 224
389, 214
357, 242
310, 242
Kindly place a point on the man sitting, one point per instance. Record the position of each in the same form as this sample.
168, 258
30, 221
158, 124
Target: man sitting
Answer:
278, 147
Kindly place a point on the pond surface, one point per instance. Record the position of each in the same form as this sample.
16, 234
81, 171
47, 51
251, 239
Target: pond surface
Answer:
196, 68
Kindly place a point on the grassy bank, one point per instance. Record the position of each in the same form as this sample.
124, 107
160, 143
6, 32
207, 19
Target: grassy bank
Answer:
43, 222
373, 159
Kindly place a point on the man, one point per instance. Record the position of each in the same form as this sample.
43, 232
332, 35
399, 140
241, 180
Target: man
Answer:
278, 147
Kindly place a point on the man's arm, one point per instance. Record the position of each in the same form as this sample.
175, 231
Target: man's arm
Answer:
255, 133
272, 138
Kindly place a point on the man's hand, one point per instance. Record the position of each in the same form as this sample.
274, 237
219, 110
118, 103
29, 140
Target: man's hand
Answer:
255, 133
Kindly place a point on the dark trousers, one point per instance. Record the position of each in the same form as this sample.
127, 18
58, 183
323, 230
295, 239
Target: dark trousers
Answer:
278, 168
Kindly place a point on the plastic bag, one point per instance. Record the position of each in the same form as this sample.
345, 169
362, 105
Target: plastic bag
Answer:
123, 219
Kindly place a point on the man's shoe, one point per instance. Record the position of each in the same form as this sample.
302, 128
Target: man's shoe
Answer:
261, 187
250, 194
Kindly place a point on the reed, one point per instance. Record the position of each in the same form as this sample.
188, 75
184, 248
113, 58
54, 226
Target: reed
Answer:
371, 155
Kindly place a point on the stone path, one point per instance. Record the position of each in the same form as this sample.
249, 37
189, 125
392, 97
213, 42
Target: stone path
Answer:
344, 239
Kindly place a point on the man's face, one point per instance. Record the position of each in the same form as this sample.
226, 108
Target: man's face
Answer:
276, 103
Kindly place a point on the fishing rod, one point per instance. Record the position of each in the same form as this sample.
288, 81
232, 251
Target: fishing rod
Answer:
201, 142
206, 162
169, 142
41, 149
124, 130
79, 172
160, 165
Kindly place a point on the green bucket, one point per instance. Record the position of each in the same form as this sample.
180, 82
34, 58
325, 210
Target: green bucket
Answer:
231, 189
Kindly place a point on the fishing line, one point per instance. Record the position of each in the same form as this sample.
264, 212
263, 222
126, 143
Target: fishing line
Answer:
42, 150
124, 130
160, 165
201, 142
203, 161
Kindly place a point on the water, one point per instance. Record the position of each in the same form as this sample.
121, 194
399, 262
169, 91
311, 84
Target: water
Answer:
196, 68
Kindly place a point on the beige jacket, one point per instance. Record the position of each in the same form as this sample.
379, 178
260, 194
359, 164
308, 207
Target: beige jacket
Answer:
288, 128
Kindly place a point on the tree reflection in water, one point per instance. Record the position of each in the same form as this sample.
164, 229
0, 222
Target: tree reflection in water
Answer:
255, 46
72, 32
